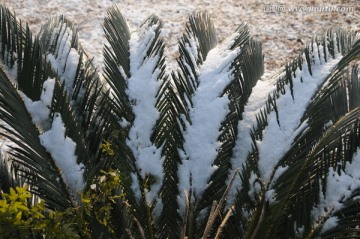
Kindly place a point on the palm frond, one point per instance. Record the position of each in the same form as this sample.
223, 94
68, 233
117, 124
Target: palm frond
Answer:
274, 123
175, 138
7, 179
36, 80
347, 220
135, 69
117, 54
59, 40
198, 40
331, 151
26, 70
12, 39
23, 56
61, 105
79, 97
168, 135
332, 103
197, 81
35, 164
238, 92
301, 146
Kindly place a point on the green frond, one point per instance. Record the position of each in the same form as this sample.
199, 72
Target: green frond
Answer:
294, 75
300, 184
203, 29
347, 220
59, 40
7, 179
79, 98
247, 210
23, 56
81, 116
246, 76
55, 33
194, 47
122, 64
118, 34
338, 74
12, 38
74, 130
117, 62
199, 38
298, 188
168, 135
35, 165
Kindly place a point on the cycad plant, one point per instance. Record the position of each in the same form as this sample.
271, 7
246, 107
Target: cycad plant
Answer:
208, 150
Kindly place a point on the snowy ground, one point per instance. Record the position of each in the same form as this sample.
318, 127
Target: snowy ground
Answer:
282, 26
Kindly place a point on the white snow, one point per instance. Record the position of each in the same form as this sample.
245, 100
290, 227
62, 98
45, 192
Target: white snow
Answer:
255, 187
40, 110
135, 186
47, 92
206, 115
339, 187
62, 150
329, 224
270, 196
277, 139
143, 86
243, 144
65, 63
11, 73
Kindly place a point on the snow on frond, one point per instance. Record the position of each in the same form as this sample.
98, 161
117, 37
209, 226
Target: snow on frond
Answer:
244, 142
11, 72
208, 111
190, 63
64, 55
62, 150
194, 46
143, 87
340, 184
287, 104
34, 165
40, 110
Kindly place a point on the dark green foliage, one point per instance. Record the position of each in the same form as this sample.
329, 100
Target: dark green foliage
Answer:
120, 198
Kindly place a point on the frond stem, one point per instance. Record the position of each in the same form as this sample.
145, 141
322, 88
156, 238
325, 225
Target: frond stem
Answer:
223, 223
261, 218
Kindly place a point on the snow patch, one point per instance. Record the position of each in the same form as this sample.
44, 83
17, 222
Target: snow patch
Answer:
279, 171
40, 110
209, 109
66, 61
255, 187
270, 196
12, 72
329, 224
143, 86
277, 139
243, 144
339, 187
62, 150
